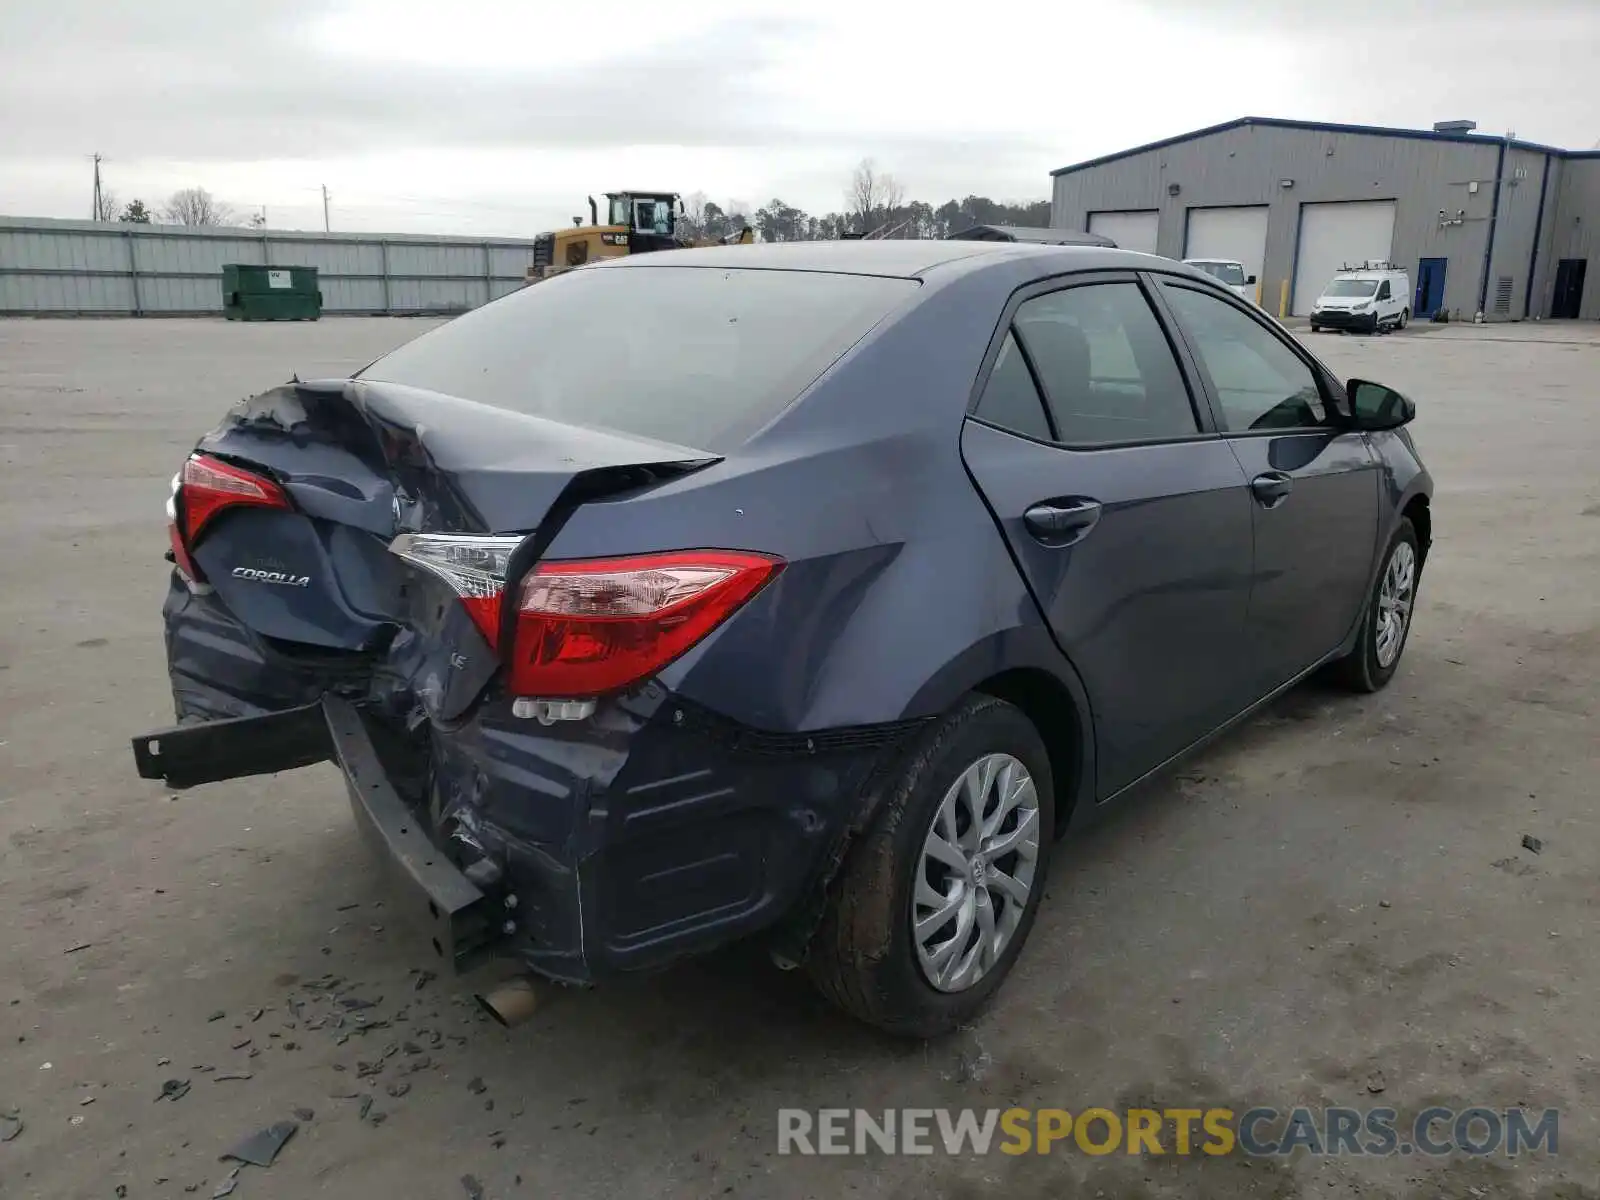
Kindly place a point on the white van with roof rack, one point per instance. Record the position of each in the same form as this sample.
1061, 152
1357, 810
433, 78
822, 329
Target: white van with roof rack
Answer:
1367, 299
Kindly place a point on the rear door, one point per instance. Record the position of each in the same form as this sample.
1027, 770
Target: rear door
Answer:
1126, 513
1314, 485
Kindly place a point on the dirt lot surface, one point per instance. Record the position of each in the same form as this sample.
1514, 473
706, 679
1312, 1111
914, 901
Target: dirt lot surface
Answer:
1335, 893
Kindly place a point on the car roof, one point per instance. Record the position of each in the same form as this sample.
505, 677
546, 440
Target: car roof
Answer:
909, 258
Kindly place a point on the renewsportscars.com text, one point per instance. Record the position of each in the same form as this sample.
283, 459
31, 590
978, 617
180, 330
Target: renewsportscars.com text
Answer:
1257, 1131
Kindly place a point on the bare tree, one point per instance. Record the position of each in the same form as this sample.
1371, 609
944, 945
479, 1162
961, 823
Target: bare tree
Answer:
106, 205
872, 195
196, 206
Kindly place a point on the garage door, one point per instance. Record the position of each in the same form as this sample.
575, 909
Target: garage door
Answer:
1337, 235
1129, 230
1234, 233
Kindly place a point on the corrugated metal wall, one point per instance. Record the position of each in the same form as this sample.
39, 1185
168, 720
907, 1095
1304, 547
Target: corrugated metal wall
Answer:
1286, 168
92, 268
1574, 216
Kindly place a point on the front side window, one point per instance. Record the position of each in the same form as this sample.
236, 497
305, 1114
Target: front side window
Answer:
1260, 382
1383, 292
1107, 370
1229, 273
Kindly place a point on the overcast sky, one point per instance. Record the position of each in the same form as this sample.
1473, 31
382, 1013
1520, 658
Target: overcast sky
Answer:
498, 116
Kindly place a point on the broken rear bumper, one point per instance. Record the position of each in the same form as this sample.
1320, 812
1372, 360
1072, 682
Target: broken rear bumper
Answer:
650, 831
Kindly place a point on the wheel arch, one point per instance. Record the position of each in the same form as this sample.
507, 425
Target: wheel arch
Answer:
1024, 666
1062, 727
1420, 513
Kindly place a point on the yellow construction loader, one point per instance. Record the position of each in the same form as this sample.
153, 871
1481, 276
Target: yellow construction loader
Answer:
636, 223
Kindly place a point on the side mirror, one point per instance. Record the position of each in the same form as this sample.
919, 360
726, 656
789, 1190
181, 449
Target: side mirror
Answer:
1376, 407
1250, 279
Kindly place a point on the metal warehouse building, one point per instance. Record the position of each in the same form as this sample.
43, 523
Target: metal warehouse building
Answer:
1483, 224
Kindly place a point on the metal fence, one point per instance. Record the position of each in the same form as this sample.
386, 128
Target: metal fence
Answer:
104, 268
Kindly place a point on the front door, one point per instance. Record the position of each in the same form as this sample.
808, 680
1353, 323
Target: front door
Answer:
1128, 516
1568, 300
1314, 486
1430, 286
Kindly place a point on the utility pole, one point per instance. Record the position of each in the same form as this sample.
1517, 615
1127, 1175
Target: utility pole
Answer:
326, 228
94, 214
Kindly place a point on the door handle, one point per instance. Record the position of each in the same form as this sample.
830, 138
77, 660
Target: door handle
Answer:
1061, 523
1272, 488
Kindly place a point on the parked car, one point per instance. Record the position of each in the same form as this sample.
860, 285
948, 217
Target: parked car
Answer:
1228, 272
806, 590
1365, 299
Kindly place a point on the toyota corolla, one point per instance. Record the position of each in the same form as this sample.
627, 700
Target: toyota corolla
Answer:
807, 592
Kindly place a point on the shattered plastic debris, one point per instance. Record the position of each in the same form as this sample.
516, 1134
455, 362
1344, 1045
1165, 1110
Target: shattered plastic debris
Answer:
477, 1086
1529, 842
424, 978
261, 1147
473, 1187
225, 1188
174, 1089
10, 1126
232, 1075
216, 1016
304, 1114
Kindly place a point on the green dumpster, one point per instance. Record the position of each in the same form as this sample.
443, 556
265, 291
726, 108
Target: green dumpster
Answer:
252, 293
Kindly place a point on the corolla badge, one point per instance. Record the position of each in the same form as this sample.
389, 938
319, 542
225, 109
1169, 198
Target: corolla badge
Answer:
283, 578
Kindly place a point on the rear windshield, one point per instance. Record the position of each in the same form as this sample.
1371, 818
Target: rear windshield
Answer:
696, 356
1229, 273
1352, 287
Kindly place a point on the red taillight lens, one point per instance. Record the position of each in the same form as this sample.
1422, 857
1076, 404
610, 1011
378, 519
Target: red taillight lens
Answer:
474, 567
208, 485
595, 626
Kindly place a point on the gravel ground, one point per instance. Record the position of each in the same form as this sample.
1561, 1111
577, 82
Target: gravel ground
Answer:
1336, 891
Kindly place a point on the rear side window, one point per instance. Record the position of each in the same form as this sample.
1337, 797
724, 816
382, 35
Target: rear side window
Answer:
1108, 372
696, 356
1009, 399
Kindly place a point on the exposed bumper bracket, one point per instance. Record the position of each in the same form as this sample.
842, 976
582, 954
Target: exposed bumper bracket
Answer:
460, 916
462, 920
188, 755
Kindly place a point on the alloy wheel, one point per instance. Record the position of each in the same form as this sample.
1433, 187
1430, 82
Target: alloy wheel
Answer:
976, 872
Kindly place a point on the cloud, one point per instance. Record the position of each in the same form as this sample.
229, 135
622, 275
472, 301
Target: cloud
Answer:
498, 115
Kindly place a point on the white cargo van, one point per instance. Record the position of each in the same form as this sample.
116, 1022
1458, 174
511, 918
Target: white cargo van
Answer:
1369, 299
1228, 272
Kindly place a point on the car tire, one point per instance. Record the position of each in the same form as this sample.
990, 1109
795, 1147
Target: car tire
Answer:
1316, 329
1405, 318
1377, 652
866, 957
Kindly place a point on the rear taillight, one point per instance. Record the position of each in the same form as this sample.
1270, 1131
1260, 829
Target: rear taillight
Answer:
205, 487
474, 567
585, 628
589, 627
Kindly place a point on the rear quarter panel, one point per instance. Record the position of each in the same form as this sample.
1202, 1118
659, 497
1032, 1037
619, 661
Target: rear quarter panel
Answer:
899, 594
